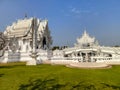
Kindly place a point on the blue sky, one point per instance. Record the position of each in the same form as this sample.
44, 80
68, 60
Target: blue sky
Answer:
68, 18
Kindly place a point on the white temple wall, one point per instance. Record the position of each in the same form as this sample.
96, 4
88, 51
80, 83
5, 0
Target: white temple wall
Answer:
24, 45
25, 57
9, 56
42, 54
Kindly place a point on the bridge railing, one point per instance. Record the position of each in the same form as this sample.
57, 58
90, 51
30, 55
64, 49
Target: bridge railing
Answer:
100, 59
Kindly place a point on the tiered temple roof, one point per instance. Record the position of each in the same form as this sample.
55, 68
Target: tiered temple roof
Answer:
22, 27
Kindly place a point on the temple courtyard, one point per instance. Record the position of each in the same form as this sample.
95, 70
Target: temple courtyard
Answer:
18, 76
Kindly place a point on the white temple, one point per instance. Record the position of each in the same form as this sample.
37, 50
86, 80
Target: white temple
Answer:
29, 40
87, 49
25, 37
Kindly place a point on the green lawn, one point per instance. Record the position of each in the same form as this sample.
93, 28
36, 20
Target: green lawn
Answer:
17, 76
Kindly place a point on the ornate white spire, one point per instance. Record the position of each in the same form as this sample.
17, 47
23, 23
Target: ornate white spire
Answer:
85, 34
85, 39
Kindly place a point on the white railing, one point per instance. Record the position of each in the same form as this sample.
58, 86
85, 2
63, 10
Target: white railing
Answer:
80, 59
67, 58
99, 59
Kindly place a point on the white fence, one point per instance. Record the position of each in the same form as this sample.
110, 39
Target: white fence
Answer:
66, 60
105, 59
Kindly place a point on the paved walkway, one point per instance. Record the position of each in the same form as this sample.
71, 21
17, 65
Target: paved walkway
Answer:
85, 64
88, 65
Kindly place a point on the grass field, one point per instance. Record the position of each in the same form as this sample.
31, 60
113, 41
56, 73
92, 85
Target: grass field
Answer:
17, 76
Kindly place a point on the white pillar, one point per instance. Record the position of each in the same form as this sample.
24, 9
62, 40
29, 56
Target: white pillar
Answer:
81, 56
91, 59
86, 57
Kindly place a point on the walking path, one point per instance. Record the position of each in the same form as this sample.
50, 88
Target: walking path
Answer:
85, 64
88, 65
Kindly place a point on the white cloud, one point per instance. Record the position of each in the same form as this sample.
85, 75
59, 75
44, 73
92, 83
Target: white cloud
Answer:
78, 11
74, 10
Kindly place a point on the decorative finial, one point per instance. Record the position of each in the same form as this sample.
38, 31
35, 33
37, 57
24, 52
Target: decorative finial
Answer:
85, 30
